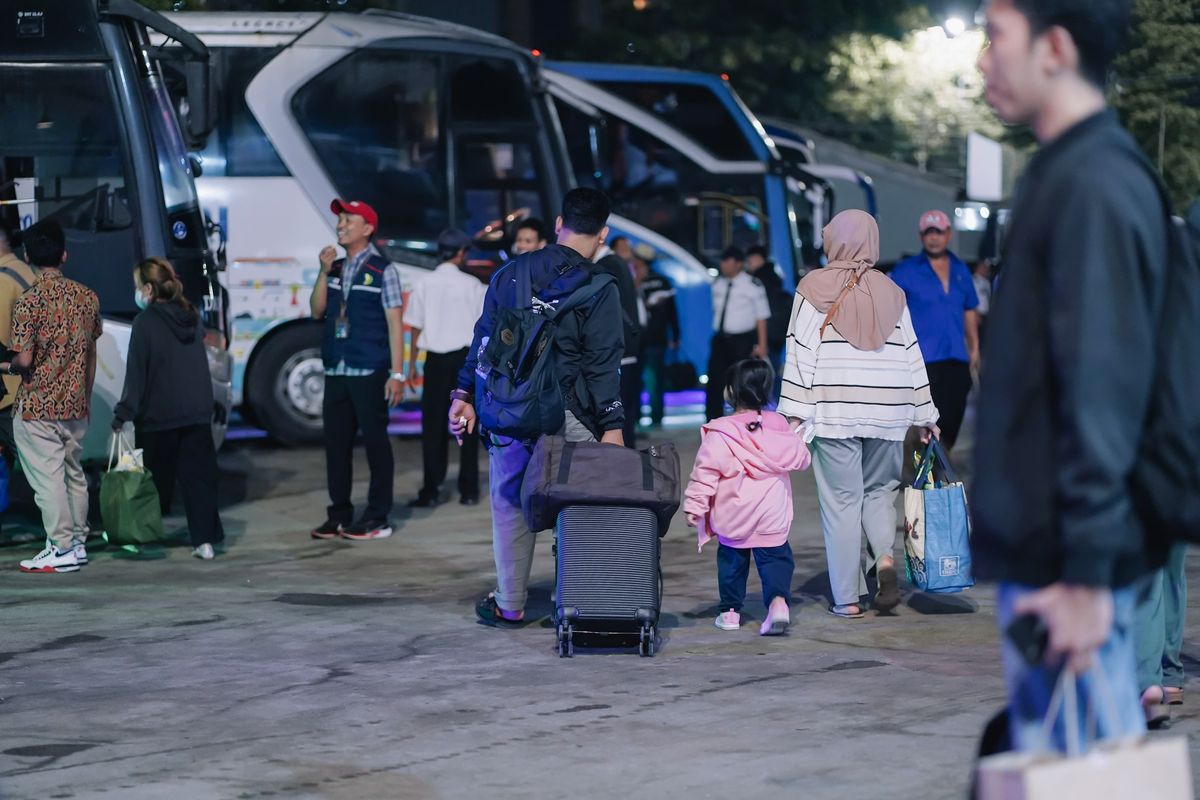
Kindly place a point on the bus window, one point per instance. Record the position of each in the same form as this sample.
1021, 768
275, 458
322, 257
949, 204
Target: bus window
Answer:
373, 121
586, 137
489, 90
694, 109
238, 148
62, 157
495, 179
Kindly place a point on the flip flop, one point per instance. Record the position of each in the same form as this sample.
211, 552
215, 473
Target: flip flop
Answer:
489, 614
839, 611
888, 596
1174, 695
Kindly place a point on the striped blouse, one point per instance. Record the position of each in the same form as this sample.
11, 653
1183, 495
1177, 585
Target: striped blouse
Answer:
842, 392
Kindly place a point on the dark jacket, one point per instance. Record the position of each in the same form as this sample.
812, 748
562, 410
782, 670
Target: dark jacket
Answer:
662, 324
613, 265
780, 300
167, 382
588, 342
1069, 365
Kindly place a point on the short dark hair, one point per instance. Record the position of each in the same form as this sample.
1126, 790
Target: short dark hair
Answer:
616, 240
733, 252
585, 210
757, 250
750, 383
1099, 28
45, 244
537, 226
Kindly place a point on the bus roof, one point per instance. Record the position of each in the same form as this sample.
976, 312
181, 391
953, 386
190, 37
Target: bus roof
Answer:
266, 29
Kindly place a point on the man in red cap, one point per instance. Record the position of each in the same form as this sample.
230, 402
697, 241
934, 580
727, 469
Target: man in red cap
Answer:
359, 299
942, 300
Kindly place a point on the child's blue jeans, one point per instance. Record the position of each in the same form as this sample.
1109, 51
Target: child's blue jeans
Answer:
775, 568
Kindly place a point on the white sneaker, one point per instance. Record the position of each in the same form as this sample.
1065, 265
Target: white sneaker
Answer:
80, 553
728, 620
204, 551
52, 560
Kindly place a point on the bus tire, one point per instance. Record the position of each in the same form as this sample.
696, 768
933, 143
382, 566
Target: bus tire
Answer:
286, 385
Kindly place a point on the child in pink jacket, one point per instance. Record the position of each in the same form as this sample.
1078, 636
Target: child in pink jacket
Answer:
741, 493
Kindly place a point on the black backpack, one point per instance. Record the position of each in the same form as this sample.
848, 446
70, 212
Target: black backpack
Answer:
516, 385
1166, 478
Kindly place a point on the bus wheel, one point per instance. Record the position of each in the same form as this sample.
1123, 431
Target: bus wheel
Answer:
287, 385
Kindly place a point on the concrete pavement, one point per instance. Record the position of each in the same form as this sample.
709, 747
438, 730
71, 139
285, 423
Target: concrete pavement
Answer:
293, 668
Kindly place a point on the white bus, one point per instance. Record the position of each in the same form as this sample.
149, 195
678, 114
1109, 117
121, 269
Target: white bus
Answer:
434, 124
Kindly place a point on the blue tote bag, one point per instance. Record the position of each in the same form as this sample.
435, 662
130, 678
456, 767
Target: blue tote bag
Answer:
937, 527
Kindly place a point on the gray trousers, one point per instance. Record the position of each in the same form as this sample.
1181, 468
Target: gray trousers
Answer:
857, 480
49, 452
512, 541
1158, 630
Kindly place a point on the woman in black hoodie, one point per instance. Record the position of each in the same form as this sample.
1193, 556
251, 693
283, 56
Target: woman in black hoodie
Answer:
168, 395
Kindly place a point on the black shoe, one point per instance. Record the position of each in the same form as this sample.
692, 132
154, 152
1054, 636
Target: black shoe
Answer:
368, 529
468, 500
327, 530
424, 501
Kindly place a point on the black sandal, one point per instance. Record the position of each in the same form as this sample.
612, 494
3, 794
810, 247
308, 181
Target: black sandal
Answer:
489, 614
888, 596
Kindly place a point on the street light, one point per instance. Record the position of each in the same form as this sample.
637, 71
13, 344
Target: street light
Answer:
955, 26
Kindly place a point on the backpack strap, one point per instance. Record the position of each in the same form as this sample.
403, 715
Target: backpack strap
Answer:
583, 294
16, 276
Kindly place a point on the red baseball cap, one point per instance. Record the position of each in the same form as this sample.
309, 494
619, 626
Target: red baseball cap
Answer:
934, 219
339, 206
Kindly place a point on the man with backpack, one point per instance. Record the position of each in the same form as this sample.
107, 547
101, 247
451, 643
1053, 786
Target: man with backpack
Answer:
1070, 385
547, 357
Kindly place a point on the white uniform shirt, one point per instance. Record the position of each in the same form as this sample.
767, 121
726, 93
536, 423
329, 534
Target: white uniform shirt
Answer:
747, 304
445, 304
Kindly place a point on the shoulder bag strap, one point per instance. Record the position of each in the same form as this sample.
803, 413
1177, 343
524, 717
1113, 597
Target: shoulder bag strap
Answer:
16, 276
850, 284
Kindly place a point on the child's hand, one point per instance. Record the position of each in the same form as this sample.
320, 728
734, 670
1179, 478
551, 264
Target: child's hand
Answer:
692, 520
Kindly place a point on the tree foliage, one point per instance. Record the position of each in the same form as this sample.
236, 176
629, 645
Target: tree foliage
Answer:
777, 52
1158, 90
923, 91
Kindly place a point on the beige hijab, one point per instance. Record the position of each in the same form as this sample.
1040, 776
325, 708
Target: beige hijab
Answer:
862, 304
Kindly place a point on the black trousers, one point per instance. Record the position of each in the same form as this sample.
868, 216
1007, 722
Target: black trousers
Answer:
186, 455
726, 351
949, 383
631, 399
441, 377
355, 405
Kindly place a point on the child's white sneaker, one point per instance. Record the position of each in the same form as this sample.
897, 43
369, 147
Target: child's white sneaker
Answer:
728, 620
778, 619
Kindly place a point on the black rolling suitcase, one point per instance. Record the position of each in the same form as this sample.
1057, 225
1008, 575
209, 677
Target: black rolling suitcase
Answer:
609, 582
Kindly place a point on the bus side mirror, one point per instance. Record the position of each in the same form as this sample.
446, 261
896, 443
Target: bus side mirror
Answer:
200, 117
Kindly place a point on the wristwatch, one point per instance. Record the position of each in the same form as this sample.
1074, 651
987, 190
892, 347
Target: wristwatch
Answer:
397, 376
461, 394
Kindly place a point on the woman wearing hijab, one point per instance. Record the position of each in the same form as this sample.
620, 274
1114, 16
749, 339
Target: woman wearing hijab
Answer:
855, 378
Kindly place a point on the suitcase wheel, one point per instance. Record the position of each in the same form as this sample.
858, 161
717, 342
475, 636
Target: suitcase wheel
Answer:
566, 644
646, 643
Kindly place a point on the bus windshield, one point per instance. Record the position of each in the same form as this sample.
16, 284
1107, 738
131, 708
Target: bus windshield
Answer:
62, 157
184, 222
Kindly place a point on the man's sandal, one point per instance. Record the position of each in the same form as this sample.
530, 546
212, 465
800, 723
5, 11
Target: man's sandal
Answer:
845, 613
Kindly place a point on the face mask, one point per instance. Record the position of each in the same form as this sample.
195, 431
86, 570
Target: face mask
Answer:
140, 299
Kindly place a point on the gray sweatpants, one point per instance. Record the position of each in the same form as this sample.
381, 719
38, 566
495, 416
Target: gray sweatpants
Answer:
512, 541
857, 481
49, 452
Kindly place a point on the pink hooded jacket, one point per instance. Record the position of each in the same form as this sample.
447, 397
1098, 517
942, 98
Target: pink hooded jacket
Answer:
740, 487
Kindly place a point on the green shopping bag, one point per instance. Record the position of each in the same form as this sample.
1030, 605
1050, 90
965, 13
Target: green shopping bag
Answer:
129, 502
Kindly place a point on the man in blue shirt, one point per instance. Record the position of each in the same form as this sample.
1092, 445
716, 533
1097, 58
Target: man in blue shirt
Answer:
942, 300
